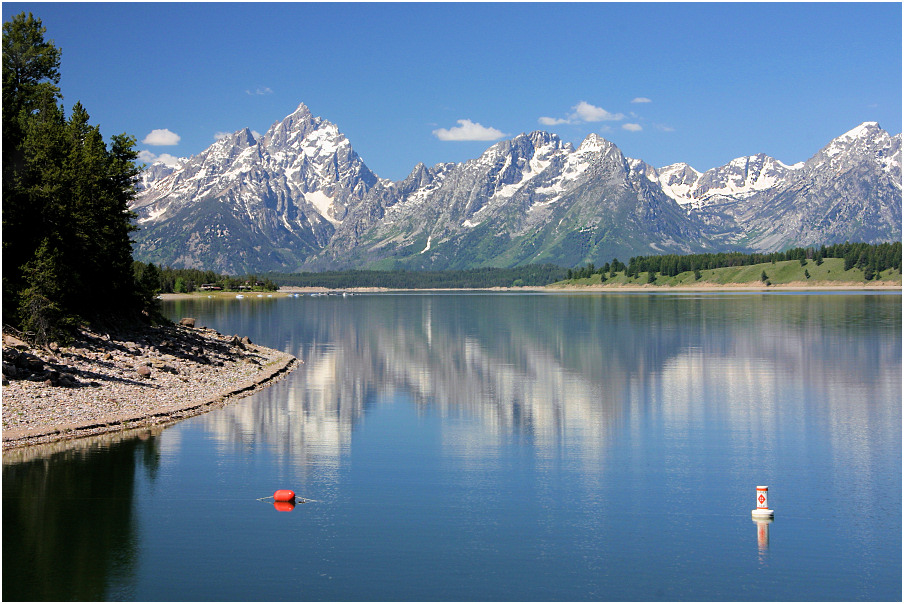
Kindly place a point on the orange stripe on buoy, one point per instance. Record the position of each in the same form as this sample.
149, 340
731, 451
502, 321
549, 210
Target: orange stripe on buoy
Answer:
284, 495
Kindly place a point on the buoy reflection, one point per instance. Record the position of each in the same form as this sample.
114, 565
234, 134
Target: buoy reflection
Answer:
284, 506
762, 533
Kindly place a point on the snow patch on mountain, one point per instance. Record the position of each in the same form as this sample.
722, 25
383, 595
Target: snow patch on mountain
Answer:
536, 164
323, 204
300, 194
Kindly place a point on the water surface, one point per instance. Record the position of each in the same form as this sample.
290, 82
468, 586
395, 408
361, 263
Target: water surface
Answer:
481, 446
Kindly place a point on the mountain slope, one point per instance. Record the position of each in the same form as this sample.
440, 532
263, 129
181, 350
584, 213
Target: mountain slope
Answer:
246, 204
299, 197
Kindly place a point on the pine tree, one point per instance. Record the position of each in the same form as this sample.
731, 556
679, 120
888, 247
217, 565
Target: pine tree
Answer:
30, 77
65, 194
40, 314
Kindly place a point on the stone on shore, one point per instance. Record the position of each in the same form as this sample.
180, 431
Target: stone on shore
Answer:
98, 377
13, 342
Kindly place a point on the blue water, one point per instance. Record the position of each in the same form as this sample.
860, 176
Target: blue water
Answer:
499, 447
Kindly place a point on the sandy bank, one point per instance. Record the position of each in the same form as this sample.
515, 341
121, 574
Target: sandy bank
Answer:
614, 288
108, 383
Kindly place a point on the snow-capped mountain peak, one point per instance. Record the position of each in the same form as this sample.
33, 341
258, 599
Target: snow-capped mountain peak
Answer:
863, 130
299, 197
594, 143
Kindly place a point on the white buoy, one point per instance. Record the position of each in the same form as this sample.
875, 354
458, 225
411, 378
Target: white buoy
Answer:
762, 503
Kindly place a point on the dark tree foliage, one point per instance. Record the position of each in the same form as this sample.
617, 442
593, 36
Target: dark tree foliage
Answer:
879, 257
871, 258
531, 275
66, 222
153, 280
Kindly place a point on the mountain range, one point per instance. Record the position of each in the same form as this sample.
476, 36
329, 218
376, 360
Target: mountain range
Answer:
299, 198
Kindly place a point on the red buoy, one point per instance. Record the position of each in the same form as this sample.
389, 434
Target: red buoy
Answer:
284, 495
284, 506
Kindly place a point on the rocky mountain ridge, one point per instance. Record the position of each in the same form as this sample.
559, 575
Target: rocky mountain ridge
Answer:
300, 198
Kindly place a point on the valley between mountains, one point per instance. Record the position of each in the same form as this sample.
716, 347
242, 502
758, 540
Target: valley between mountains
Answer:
299, 198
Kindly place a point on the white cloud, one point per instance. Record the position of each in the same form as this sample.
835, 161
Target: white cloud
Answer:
164, 158
161, 138
583, 112
586, 112
468, 131
259, 91
632, 127
641, 99
663, 128
553, 121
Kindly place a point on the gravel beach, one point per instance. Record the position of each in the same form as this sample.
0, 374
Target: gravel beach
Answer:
108, 382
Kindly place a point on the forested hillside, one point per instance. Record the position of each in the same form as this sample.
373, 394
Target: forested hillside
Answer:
67, 255
871, 261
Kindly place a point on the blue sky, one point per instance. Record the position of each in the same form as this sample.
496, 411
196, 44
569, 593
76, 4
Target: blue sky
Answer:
701, 83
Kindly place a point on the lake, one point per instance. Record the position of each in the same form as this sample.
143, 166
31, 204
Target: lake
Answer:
499, 446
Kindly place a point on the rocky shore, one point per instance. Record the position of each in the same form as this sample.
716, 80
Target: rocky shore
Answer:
104, 382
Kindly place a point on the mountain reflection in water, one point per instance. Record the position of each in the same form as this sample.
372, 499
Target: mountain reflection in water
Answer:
493, 447
567, 371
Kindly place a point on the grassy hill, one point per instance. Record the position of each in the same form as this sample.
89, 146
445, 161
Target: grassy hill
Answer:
830, 273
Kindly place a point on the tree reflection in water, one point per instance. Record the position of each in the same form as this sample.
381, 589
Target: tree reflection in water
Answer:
69, 526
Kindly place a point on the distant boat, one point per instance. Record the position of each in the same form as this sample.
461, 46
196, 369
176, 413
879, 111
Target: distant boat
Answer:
239, 296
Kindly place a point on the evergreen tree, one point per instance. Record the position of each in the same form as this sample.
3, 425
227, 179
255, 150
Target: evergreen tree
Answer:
147, 285
41, 314
30, 77
65, 195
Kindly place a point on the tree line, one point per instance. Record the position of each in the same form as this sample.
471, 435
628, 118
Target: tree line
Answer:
871, 258
67, 253
187, 280
531, 275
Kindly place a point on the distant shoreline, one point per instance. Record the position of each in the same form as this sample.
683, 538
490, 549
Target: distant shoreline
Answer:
740, 287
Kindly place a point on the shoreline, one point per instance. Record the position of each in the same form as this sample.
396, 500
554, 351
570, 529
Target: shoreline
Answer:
106, 384
730, 287
92, 388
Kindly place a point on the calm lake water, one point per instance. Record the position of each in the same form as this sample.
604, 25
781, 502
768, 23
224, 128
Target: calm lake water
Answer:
511, 447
